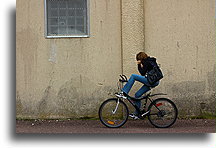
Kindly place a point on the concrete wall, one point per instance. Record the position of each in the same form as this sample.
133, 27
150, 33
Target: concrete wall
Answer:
132, 33
66, 77
181, 34
132, 36
70, 77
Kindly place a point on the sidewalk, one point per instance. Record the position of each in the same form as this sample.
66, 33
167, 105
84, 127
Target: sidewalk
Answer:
94, 126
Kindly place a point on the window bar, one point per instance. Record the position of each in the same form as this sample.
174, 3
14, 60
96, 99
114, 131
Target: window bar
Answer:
75, 26
58, 3
67, 17
84, 17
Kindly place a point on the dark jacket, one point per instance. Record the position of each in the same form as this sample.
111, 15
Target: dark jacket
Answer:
147, 66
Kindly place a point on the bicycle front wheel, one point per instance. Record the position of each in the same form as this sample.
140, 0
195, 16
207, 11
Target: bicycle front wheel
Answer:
113, 113
163, 113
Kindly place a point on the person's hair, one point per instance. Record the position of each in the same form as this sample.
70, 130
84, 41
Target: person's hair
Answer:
141, 56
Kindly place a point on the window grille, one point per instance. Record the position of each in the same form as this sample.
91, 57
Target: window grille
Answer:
66, 18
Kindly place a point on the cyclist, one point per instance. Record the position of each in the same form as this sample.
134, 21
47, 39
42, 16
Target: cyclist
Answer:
144, 65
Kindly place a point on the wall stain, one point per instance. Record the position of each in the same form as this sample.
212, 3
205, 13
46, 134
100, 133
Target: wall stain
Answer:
43, 104
189, 95
27, 53
19, 106
107, 5
67, 97
77, 99
53, 52
189, 87
178, 45
46, 107
211, 79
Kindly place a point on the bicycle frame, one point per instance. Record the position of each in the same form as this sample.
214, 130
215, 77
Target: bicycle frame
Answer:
131, 99
146, 98
135, 106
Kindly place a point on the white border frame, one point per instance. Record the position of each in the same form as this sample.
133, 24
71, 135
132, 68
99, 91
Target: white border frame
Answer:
72, 36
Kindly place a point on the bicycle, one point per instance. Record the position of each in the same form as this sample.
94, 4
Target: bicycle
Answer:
161, 112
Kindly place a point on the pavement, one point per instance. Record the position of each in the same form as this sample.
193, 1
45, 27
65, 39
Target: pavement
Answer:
95, 126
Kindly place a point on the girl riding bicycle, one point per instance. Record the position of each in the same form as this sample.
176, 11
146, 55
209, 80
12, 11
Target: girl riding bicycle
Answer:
144, 66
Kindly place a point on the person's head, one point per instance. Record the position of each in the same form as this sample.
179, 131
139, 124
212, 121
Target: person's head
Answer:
141, 56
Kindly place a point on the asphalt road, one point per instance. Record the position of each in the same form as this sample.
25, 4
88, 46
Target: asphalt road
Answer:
94, 126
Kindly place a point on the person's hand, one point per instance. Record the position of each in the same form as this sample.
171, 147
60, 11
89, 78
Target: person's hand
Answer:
138, 62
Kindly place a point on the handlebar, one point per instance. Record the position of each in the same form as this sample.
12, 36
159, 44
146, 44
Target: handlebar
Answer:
123, 78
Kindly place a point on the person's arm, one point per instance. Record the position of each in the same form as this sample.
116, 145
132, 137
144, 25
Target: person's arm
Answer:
142, 69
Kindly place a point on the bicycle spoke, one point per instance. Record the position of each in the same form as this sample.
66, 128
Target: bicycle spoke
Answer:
113, 113
163, 113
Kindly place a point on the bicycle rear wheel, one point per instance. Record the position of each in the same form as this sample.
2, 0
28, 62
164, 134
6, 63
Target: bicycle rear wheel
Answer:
163, 113
113, 113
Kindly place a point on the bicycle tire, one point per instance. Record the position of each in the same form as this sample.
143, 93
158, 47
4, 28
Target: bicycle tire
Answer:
163, 113
110, 119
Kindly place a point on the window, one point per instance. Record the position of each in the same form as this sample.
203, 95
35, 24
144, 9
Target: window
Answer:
66, 18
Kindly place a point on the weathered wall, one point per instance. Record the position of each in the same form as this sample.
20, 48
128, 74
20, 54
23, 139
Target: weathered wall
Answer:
132, 36
66, 77
181, 34
70, 77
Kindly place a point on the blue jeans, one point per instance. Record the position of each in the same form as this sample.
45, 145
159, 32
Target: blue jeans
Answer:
146, 87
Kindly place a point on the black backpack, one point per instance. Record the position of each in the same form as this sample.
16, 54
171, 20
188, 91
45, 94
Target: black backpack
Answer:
155, 74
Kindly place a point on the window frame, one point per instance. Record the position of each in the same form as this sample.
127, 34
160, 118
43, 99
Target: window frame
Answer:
68, 36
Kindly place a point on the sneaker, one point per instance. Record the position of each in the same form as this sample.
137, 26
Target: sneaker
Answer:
120, 95
135, 117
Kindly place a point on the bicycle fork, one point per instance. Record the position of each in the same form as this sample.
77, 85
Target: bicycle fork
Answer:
113, 112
